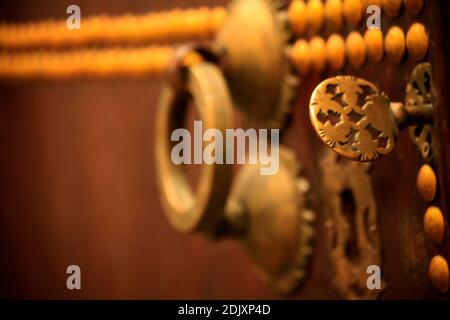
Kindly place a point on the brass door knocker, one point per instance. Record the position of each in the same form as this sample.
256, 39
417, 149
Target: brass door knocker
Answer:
268, 214
351, 225
354, 118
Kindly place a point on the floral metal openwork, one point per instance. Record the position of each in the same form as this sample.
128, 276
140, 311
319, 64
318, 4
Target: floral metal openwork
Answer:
353, 117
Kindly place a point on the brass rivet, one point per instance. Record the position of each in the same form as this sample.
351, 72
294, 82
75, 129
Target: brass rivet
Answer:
356, 49
438, 273
426, 183
372, 2
335, 52
392, 7
374, 44
353, 11
297, 16
394, 44
333, 13
433, 224
315, 11
318, 53
417, 41
301, 57
413, 6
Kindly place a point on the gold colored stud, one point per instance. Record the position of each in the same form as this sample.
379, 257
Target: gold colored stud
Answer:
427, 183
316, 12
392, 7
417, 41
358, 121
298, 17
374, 44
413, 6
356, 49
433, 224
318, 53
335, 52
372, 2
439, 273
394, 44
301, 57
333, 13
353, 11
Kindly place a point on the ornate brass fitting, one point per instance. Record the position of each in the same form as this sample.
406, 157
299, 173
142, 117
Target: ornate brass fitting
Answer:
360, 123
268, 214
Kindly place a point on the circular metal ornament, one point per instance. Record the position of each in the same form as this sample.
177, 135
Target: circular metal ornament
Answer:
257, 72
353, 118
278, 224
188, 211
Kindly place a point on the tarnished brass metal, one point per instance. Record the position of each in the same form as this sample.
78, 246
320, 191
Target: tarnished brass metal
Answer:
359, 122
185, 210
267, 213
353, 117
420, 95
427, 183
278, 233
254, 40
351, 224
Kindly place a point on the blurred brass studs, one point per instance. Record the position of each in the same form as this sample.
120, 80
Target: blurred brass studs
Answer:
301, 57
413, 6
353, 11
438, 273
374, 44
335, 52
417, 41
316, 12
297, 16
333, 13
394, 44
372, 2
392, 7
427, 183
318, 53
356, 49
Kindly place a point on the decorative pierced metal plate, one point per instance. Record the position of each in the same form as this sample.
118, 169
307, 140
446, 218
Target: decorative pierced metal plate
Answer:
419, 92
353, 118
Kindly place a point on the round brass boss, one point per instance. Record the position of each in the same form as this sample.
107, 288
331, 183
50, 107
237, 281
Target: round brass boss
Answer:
394, 44
356, 49
374, 44
417, 41
413, 6
335, 51
433, 224
438, 273
427, 183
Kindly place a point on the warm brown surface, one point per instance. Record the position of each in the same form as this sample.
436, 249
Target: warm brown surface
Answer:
77, 185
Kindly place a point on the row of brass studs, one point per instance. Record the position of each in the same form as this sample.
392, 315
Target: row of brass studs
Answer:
164, 26
98, 63
317, 53
434, 227
313, 14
